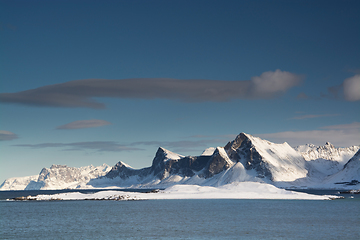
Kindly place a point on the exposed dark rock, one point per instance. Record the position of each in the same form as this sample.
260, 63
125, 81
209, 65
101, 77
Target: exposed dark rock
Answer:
124, 172
161, 167
242, 150
216, 164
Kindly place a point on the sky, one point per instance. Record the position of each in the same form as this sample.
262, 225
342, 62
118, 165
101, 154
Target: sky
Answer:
93, 82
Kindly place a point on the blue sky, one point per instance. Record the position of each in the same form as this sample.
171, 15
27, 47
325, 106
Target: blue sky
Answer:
92, 82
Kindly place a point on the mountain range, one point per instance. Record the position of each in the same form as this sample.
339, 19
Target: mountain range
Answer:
246, 158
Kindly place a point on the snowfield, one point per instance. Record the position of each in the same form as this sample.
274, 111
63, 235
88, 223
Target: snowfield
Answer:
243, 190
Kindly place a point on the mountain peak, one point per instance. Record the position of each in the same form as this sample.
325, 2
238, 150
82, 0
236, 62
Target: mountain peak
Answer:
121, 164
165, 154
329, 145
235, 144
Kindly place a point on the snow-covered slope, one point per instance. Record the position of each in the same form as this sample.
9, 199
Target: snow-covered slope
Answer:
349, 174
57, 177
243, 190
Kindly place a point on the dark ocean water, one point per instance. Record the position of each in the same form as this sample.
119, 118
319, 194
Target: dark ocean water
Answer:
181, 219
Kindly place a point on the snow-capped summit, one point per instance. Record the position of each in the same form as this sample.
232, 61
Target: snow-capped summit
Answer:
277, 162
208, 152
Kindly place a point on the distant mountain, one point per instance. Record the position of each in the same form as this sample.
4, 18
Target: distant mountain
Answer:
328, 152
246, 158
327, 159
17, 183
56, 177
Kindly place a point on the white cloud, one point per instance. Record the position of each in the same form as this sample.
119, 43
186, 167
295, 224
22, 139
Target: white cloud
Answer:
6, 135
84, 124
351, 88
270, 83
101, 146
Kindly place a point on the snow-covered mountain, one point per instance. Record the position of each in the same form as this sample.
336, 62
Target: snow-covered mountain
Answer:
328, 151
246, 158
327, 159
56, 177
17, 183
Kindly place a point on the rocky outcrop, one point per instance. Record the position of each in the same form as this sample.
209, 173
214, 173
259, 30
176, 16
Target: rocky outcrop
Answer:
164, 164
124, 171
218, 162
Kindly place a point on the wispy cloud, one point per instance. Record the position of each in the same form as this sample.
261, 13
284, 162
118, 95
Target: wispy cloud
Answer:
6, 135
81, 93
111, 146
102, 146
354, 125
183, 146
84, 124
344, 135
314, 116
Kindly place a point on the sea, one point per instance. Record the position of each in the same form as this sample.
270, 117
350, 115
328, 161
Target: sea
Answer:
180, 219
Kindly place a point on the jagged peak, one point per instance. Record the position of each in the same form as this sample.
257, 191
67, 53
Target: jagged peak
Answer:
208, 152
221, 151
166, 154
236, 143
329, 145
122, 164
